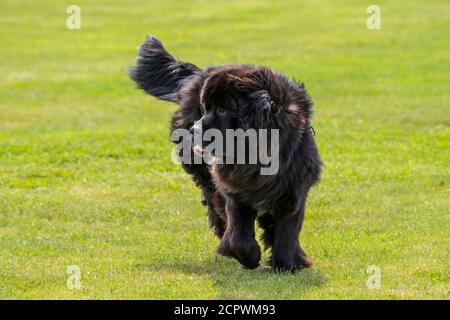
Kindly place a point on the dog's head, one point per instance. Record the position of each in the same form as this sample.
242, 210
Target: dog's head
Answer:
248, 97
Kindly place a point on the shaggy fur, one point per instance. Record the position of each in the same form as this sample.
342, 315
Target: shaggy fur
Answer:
242, 96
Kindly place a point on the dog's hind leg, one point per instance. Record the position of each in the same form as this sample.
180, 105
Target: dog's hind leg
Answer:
238, 240
216, 212
267, 222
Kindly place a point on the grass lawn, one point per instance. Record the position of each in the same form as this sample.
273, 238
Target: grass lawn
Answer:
85, 171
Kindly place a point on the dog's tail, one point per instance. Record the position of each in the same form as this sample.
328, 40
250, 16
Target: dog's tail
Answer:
158, 72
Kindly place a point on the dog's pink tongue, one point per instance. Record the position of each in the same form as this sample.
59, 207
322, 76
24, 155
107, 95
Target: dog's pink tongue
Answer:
197, 149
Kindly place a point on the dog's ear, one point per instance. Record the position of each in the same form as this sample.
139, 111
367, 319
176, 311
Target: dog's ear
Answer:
262, 101
215, 88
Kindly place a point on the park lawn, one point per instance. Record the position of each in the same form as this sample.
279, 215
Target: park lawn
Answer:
85, 171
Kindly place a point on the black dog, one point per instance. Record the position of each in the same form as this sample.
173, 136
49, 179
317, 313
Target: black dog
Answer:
243, 96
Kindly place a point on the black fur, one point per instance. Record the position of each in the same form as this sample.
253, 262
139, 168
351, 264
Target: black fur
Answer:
159, 73
243, 96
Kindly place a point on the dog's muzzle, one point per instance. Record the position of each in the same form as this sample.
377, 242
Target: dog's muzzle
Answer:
196, 132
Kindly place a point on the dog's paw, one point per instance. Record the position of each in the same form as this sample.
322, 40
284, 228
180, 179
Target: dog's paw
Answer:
224, 250
298, 262
247, 253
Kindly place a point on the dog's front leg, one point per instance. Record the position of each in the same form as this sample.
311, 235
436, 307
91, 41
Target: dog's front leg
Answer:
239, 238
287, 255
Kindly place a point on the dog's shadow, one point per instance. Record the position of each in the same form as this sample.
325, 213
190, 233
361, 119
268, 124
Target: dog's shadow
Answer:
231, 281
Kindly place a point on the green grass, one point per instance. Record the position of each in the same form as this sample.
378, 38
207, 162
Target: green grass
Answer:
85, 171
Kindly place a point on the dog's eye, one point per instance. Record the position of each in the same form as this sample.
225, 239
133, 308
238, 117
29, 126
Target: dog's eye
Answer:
267, 105
221, 111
